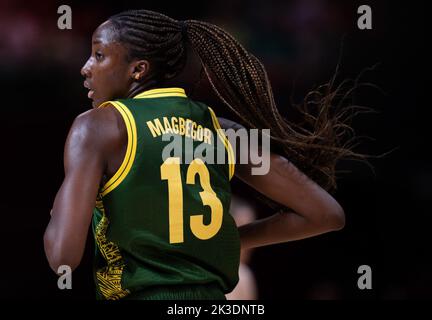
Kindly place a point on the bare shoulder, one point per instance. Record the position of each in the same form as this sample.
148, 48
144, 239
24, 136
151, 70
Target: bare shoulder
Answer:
98, 127
94, 118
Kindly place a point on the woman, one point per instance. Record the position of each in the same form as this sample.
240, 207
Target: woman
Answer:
162, 227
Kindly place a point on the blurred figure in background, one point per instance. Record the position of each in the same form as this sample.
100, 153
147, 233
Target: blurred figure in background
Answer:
246, 289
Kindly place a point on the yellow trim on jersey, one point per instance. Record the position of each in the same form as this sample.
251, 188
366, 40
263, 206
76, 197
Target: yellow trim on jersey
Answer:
224, 138
129, 158
161, 93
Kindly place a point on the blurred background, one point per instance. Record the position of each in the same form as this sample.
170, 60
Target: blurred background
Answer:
300, 42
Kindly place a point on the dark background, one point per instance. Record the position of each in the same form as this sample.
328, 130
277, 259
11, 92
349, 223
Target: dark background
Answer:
300, 43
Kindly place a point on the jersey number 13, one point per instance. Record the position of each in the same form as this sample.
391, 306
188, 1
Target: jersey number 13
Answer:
170, 171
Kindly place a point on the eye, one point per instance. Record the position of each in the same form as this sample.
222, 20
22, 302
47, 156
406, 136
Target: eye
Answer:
98, 56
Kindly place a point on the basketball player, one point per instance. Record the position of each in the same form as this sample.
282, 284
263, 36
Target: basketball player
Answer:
162, 228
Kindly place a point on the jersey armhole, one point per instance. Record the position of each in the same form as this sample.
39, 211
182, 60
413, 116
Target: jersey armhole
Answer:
129, 157
225, 140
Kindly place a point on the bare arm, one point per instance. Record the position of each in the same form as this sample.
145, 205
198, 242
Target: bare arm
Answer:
314, 210
84, 161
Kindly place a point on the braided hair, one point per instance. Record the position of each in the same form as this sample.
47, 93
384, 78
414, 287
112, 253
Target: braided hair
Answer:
314, 143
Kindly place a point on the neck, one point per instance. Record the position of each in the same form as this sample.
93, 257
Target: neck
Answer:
137, 87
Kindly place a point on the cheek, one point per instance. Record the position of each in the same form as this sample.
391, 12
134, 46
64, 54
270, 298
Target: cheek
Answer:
107, 87
116, 80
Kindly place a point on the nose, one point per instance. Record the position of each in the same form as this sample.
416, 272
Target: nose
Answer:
85, 70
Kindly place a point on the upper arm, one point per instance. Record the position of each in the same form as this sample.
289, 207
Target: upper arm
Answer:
287, 185
85, 158
84, 162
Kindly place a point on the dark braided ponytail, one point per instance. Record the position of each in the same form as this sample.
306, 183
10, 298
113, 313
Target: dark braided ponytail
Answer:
155, 37
315, 143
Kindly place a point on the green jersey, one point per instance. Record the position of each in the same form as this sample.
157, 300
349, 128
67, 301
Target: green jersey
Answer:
163, 218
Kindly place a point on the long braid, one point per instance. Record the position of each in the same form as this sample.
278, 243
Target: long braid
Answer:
315, 143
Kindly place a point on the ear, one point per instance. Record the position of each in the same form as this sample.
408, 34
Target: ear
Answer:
140, 69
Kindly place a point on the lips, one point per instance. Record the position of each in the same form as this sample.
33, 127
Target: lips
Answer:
91, 91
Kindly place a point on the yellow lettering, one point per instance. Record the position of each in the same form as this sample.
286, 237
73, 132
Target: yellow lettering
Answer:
155, 128
167, 125
193, 134
207, 136
181, 126
170, 170
199, 134
209, 198
174, 125
188, 121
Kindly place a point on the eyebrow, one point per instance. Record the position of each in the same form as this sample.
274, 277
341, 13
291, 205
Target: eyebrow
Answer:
96, 41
